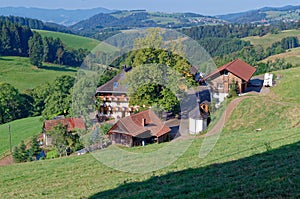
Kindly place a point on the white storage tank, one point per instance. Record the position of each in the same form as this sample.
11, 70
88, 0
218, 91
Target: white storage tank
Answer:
268, 79
197, 121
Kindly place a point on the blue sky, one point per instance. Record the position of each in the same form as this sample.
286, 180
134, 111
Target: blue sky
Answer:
209, 7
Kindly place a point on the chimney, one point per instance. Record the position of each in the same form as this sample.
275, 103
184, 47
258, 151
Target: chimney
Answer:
143, 121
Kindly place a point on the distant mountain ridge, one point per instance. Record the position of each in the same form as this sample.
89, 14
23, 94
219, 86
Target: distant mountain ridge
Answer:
59, 16
266, 14
85, 18
103, 25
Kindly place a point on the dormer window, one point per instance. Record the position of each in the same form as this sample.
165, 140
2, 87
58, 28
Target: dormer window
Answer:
225, 73
115, 84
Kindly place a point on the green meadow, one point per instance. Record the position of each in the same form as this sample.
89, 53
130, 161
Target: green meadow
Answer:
71, 41
269, 39
22, 129
291, 56
244, 163
18, 72
76, 42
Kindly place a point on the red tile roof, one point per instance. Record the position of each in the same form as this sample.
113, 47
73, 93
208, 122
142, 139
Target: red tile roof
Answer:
71, 123
133, 125
237, 67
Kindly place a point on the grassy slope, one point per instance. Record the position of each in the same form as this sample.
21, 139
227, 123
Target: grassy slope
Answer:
76, 42
21, 74
72, 41
269, 39
20, 130
279, 15
291, 56
237, 166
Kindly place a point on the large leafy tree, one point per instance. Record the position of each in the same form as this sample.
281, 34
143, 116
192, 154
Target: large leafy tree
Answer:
154, 84
58, 134
59, 99
9, 102
36, 49
40, 94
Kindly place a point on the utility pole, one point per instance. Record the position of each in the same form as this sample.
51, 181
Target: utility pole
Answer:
9, 137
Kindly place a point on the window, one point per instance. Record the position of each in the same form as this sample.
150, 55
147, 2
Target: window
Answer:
220, 86
225, 73
115, 84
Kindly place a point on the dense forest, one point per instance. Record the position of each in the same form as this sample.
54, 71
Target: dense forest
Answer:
224, 43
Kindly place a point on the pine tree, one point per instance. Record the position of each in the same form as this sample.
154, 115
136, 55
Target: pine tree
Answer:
35, 147
16, 154
23, 152
36, 50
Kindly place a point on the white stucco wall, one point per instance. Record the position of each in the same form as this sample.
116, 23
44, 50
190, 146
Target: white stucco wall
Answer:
197, 125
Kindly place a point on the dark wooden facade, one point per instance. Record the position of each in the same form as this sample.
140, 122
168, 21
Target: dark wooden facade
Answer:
131, 141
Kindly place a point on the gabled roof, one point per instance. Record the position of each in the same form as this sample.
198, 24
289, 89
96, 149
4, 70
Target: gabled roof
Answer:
194, 70
114, 85
133, 125
237, 67
71, 123
198, 114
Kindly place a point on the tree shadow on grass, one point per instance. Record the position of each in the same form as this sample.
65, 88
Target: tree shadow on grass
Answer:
273, 174
6, 59
57, 68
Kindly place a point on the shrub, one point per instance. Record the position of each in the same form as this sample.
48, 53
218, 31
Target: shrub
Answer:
52, 154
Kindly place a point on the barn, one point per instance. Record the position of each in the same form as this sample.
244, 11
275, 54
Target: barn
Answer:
139, 129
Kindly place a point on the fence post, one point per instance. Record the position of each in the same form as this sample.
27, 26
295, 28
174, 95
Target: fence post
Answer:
9, 137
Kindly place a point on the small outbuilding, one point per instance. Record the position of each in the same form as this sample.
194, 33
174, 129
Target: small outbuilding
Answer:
268, 79
198, 119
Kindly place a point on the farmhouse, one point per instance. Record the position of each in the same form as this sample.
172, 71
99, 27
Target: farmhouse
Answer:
236, 73
139, 129
114, 97
71, 124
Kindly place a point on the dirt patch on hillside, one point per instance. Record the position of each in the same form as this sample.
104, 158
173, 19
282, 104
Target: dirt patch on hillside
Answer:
6, 161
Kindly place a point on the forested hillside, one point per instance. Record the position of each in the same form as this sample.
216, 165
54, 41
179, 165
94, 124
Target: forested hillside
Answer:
17, 40
264, 15
228, 42
35, 24
58, 16
104, 25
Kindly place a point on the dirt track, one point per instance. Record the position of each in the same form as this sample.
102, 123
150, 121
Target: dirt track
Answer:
225, 116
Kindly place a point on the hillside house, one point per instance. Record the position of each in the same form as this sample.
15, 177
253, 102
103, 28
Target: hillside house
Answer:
236, 72
114, 97
71, 124
139, 129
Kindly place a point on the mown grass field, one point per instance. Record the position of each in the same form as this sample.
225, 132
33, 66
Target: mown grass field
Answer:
21, 74
269, 39
76, 41
20, 130
244, 162
291, 56
71, 41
